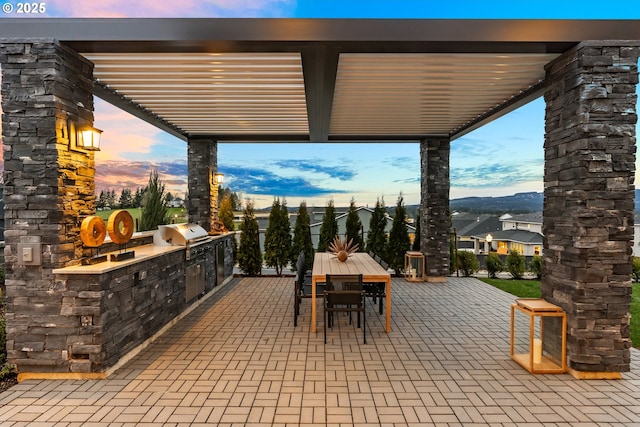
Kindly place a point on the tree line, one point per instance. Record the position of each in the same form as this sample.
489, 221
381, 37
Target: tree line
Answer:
281, 248
129, 199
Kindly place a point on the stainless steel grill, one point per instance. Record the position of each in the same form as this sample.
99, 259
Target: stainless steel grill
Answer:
190, 236
193, 237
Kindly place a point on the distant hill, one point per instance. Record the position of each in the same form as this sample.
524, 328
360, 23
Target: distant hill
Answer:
517, 203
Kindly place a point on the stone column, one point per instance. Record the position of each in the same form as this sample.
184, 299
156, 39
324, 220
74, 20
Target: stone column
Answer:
203, 165
589, 201
48, 190
434, 207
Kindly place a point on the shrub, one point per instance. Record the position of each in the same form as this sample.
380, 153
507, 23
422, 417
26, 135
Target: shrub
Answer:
277, 239
154, 205
302, 238
467, 263
636, 269
399, 241
535, 266
515, 264
329, 227
249, 256
494, 265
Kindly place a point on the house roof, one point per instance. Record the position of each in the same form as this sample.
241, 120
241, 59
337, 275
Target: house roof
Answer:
318, 80
468, 224
532, 218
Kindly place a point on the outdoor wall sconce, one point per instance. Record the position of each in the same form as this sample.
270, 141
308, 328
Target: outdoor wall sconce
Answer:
85, 138
88, 138
219, 178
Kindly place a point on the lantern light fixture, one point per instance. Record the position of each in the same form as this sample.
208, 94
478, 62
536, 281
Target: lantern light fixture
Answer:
88, 138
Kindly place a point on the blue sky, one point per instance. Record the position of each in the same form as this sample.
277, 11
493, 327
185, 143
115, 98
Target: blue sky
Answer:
498, 159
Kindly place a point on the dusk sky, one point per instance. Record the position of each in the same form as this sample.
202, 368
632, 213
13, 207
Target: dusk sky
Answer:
502, 158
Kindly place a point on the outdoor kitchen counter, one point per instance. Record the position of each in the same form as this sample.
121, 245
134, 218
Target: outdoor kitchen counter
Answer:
143, 253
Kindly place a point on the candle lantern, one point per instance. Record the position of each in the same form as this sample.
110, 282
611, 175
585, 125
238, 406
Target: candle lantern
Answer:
538, 336
414, 266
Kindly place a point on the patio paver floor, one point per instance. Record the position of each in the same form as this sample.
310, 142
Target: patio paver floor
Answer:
238, 360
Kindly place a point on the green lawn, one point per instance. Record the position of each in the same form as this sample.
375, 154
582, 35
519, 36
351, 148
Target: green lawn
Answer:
531, 289
177, 215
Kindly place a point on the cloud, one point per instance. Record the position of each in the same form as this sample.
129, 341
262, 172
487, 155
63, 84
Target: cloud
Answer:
263, 182
404, 162
116, 175
315, 165
161, 9
498, 174
469, 147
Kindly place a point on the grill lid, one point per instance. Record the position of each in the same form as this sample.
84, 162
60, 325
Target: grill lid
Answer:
178, 234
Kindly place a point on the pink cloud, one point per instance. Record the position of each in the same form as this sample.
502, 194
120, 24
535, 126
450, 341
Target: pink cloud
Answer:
157, 9
123, 134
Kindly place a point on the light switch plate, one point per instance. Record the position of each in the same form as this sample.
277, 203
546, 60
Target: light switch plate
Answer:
29, 253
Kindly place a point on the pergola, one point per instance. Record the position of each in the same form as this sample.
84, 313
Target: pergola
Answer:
335, 80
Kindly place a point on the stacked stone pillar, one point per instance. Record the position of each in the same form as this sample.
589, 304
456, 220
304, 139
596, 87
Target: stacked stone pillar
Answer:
434, 207
589, 200
48, 190
202, 202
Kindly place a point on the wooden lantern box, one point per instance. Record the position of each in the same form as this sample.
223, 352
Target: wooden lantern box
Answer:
539, 345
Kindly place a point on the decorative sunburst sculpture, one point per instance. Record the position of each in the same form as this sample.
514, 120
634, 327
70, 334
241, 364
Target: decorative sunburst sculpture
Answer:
342, 248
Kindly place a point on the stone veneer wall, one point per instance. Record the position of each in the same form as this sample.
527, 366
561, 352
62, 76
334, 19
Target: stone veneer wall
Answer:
434, 207
48, 189
121, 309
203, 164
589, 199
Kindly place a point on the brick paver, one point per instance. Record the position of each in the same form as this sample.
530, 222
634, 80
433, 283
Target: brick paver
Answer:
238, 360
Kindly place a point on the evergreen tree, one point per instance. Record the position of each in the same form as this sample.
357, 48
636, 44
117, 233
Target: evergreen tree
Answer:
354, 227
277, 239
249, 256
235, 198
399, 242
377, 237
226, 216
226, 213
154, 209
302, 238
416, 237
126, 200
329, 227
137, 198
101, 203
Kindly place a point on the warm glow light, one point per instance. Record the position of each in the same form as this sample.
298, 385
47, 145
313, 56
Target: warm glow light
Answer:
489, 238
219, 177
89, 138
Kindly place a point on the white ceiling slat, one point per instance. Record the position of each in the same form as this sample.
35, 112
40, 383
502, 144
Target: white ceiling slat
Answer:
420, 94
264, 93
228, 93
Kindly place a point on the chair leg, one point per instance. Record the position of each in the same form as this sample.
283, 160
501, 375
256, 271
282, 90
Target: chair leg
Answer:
326, 314
364, 324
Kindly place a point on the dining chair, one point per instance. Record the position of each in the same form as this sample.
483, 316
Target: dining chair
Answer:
302, 287
377, 291
344, 293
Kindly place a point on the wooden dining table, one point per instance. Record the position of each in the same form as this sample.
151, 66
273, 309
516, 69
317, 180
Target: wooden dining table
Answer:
358, 263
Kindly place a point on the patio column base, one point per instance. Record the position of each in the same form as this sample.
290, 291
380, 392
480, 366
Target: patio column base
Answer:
584, 375
436, 279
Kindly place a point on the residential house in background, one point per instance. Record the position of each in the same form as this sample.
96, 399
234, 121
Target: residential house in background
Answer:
471, 230
501, 234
